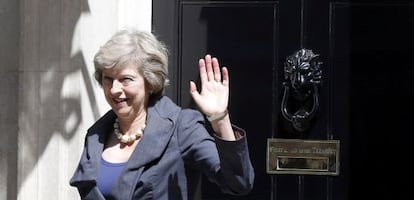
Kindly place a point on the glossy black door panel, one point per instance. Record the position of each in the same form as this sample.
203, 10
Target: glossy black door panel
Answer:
364, 99
243, 36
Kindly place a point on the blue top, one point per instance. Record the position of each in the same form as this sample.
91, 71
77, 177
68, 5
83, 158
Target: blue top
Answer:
108, 174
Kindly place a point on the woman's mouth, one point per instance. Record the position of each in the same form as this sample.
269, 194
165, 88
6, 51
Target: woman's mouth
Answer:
119, 100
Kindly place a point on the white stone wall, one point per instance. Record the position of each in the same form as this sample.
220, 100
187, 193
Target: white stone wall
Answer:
57, 97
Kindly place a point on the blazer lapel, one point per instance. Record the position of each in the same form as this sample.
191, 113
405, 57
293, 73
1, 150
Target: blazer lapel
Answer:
155, 139
95, 142
86, 174
157, 134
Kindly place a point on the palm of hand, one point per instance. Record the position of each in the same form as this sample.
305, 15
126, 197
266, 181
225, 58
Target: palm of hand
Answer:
214, 94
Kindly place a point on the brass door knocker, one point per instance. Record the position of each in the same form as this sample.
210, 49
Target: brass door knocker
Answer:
303, 75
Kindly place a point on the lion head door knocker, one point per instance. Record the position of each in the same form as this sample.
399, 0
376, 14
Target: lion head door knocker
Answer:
302, 77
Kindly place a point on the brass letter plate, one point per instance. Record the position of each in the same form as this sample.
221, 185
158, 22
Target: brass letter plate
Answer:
295, 156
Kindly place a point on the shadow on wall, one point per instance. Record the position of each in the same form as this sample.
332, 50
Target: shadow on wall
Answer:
50, 105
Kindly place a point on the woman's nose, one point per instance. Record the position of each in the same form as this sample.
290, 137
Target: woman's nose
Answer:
116, 87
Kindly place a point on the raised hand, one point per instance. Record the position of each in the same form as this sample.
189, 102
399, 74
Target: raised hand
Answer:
214, 94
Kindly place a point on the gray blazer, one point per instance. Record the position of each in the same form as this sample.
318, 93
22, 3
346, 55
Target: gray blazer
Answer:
167, 164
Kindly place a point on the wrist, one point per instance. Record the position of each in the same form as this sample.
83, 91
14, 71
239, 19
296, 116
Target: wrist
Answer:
217, 116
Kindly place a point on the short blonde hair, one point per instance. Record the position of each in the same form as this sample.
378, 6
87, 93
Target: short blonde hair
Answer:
140, 48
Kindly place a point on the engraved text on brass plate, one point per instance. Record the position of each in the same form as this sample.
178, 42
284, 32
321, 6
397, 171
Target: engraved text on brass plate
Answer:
295, 156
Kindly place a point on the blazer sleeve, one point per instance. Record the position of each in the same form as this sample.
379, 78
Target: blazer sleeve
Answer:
226, 163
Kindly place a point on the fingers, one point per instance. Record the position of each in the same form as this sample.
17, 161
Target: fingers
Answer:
210, 69
203, 71
194, 93
216, 70
193, 87
225, 72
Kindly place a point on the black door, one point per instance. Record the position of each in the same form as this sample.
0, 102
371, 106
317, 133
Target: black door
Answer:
365, 49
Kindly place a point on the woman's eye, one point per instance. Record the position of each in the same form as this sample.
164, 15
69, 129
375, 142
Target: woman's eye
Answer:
127, 79
107, 79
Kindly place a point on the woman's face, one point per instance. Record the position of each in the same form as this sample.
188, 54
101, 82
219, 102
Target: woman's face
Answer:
124, 89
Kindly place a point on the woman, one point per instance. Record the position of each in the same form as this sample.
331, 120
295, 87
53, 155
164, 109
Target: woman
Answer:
147, 147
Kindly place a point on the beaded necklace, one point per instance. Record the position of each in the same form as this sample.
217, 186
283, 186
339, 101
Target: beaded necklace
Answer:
127, 138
